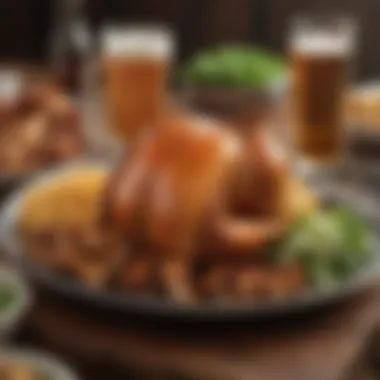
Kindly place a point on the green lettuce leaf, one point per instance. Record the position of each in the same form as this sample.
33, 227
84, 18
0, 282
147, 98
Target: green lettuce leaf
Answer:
330, 246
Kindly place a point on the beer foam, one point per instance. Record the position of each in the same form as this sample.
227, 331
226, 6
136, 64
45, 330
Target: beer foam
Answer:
322, 44
141, 42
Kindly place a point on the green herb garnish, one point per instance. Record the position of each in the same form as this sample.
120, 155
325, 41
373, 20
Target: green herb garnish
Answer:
234, 66
330, 246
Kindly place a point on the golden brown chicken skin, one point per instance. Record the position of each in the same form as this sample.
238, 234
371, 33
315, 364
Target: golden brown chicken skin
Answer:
195, 187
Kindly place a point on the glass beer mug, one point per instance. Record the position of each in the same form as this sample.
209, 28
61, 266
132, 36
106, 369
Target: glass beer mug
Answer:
320, 49
135, 65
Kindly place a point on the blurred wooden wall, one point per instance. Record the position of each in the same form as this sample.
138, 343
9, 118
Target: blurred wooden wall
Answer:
198, 23
366, 12
25, 24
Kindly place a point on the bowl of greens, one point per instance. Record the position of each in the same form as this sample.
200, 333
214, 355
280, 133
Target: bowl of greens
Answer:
15, 299
332, 246
228, 79
31, 365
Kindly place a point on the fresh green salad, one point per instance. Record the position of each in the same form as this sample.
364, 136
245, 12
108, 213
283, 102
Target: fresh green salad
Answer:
330, 245
7, 297
242, 67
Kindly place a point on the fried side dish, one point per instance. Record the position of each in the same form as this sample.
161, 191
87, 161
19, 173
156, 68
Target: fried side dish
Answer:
363, 109
189, 217
72, 200
59, 221
38, 127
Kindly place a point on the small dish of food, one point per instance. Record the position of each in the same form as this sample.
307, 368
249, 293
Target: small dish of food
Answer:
363, 122
15, 300
231, 80
363, 111
363, 106
40, 127
23, 364
198, 221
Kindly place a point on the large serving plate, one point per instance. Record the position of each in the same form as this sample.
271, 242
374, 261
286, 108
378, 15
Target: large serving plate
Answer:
336, 190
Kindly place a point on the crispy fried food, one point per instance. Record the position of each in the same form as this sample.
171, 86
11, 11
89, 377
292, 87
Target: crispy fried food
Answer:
40, 126
363, 109
72, 200
297, 200
244, 282
60, 225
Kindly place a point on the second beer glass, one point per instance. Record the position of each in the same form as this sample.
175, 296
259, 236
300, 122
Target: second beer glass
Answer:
320, 50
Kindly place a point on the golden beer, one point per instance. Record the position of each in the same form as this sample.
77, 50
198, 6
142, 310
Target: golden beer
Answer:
320, 60
135, 63
319, 85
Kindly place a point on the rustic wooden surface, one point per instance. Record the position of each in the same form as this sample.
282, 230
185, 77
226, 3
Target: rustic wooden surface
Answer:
324, 345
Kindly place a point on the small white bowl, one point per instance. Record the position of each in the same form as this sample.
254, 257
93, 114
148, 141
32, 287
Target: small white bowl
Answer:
40, 361
11, 318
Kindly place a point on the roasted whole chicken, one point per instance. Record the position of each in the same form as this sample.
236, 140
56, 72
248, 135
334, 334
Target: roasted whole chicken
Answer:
197, 192
189, 215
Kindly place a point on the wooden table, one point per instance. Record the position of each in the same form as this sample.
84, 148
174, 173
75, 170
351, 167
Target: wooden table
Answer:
324, 345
